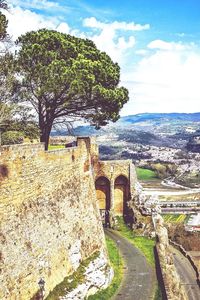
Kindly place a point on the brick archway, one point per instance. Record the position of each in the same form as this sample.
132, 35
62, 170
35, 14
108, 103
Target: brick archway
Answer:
121, 195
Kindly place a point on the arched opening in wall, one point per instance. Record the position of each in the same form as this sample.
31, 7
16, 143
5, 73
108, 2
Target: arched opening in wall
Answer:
102, 186
121, 195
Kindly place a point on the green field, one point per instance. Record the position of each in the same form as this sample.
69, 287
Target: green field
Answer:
54, 147
145, 174
181, 218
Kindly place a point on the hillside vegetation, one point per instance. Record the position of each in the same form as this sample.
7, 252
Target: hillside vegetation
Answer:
145, 174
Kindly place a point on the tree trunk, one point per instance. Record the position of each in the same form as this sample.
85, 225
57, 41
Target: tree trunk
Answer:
45, 124
44, 135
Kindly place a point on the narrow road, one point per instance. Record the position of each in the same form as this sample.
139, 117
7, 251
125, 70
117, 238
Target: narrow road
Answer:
139, 278
187, 275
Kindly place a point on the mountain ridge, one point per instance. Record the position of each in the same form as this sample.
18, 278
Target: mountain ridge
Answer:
157, 123
195, 117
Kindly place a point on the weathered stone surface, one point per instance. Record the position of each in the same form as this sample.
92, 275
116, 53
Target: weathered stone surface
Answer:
75, 254
49, 216
98, 275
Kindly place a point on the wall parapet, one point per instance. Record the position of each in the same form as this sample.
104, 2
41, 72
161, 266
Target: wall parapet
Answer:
119, 161
21, 146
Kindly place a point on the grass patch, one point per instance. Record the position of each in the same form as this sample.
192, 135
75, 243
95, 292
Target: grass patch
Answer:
187, 217
144, 244
145, 174
158, 294
178, 219
72, 281
117, 264
54, 147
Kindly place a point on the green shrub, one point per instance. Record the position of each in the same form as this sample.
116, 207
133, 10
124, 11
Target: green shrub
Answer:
12, 137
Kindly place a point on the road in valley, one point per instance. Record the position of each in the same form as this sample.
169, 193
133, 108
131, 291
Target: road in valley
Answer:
139, 277
187, 275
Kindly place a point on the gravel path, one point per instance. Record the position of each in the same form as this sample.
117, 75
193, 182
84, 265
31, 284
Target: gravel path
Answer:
139, 277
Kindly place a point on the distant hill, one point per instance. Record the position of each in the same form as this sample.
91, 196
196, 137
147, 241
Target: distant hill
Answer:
169, 123
131, 136
158, 129
191, 117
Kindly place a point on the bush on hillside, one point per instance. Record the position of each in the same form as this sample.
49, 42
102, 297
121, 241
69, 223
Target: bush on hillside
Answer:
12, 137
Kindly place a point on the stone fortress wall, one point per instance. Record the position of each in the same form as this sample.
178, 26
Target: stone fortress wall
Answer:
50, 218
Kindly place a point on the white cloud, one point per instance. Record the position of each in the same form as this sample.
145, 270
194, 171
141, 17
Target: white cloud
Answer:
123, 44
63, 27
36, 4
111, 39
162, 45
21, 21
114, 38
93, 23
165, 81
114, 46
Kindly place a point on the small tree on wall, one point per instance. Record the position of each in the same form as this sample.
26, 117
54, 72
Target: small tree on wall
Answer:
63, 76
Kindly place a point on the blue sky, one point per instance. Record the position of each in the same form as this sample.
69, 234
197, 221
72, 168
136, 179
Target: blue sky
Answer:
156, 43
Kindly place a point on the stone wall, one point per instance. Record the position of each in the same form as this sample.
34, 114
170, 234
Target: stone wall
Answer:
174, 290
49, 216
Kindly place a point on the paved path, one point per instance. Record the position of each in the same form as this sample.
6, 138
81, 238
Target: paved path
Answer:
187, 274
139, 277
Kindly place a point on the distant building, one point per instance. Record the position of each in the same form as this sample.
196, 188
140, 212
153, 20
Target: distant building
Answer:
193, 223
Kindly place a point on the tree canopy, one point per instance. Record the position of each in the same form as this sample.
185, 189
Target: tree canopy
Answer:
6, 59
5, 110
63, 76
3, 21
15, 120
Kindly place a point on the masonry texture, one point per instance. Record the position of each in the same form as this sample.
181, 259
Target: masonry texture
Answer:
49, 216
50, 219
115, 183
173, 285
120, 177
